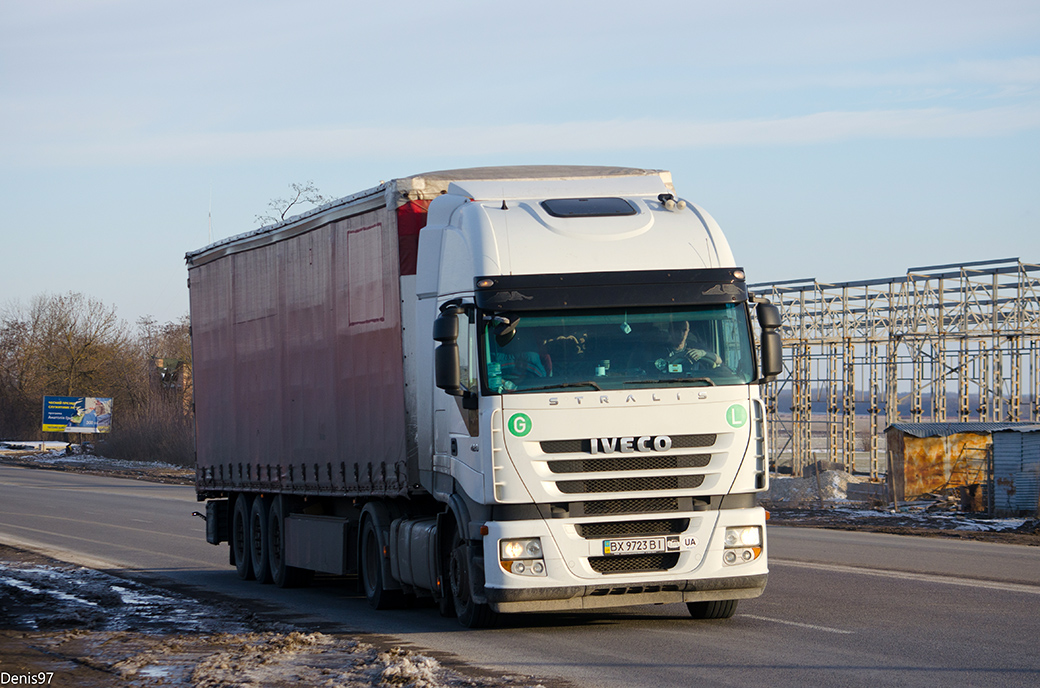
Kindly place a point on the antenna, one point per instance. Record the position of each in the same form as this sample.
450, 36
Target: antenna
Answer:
210, 214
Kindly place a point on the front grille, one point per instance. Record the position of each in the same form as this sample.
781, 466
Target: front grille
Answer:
631, 506
636, 563
633, 590
665, 526
671, 482
649, 462
585, 446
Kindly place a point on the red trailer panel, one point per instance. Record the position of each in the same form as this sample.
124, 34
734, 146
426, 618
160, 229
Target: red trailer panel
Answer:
299, 384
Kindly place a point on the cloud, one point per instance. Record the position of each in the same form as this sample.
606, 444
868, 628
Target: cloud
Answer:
966, 75
582, 136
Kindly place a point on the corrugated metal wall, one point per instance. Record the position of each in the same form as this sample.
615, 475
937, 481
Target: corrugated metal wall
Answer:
1016, 473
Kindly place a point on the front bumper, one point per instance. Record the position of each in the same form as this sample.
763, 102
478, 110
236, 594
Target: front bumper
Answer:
599, 596
698, 573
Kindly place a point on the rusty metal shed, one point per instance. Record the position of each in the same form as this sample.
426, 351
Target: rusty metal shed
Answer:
985, 461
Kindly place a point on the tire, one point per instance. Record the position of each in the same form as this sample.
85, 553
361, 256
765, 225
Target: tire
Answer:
282, 575
370, 570
470, 613
446, 605
240, 537
712, 609
259, 543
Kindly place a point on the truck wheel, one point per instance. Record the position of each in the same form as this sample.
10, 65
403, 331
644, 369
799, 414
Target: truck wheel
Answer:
371, 570
446, 603
470, 613
283, 576
712, 609
240, 537
258, 540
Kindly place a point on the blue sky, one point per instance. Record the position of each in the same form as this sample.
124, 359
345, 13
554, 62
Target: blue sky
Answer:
834, 140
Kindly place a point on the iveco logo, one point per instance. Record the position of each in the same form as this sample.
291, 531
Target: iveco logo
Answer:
627, 445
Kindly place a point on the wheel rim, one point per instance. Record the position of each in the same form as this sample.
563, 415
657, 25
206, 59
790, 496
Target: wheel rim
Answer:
258, 538
275, 536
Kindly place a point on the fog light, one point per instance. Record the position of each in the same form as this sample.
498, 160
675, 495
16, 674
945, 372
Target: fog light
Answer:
733, 557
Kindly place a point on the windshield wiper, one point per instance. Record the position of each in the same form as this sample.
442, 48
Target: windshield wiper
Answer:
562, 384
707, 380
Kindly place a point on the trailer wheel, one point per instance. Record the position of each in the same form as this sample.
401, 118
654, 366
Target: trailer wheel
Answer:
283, 576
240, 537
371, 570
471, 614
712, 609
259, 542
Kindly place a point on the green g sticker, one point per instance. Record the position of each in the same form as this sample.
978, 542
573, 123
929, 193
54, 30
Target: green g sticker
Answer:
519, 424
736, 416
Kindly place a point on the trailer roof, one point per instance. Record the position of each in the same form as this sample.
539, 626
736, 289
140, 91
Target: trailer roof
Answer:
537, 172
426, 185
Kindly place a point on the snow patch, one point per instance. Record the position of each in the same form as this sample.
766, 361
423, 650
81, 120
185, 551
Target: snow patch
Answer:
828, 486
146, 635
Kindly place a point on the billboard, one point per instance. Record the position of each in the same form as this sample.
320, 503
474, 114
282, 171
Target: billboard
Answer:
77, 414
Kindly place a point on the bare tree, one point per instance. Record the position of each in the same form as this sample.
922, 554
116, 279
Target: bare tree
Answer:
17, 407
73, 345
301, 194
65, 345
83, 343
158, 424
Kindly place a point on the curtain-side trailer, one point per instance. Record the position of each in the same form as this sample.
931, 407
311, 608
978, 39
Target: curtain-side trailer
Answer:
511, 389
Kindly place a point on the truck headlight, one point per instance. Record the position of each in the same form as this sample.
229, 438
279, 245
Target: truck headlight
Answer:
746, 536
743, 544
522, 557
530, 548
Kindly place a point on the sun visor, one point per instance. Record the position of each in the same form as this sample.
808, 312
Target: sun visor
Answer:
610, 289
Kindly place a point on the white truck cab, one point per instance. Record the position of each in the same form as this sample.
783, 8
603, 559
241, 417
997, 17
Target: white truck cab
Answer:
596, 407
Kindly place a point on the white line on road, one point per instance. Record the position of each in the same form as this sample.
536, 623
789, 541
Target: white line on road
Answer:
907, 575
814, 627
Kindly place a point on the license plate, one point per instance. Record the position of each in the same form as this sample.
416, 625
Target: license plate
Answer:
634, 546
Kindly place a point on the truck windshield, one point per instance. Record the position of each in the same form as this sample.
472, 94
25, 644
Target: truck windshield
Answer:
617, 348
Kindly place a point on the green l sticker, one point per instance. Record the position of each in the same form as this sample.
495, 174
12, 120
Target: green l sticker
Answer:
519, 424
736, 416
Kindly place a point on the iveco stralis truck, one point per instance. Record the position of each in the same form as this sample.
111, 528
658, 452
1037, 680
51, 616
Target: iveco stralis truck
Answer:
509, 389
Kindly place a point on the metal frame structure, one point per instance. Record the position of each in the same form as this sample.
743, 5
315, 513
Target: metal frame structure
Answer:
957, 342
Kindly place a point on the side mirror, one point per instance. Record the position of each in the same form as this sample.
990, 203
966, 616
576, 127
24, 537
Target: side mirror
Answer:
772, 346
446, 372
446, 327
505, 330
768, 316
446, 368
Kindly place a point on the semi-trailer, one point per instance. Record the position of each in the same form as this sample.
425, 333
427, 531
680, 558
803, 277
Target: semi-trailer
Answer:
509, 389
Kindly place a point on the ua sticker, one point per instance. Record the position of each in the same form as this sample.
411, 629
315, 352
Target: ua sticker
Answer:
736, 416
519, 424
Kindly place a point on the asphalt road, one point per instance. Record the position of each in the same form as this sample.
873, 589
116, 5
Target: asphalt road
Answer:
841, 608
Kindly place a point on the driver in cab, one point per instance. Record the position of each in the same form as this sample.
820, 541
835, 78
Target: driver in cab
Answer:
686, 351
